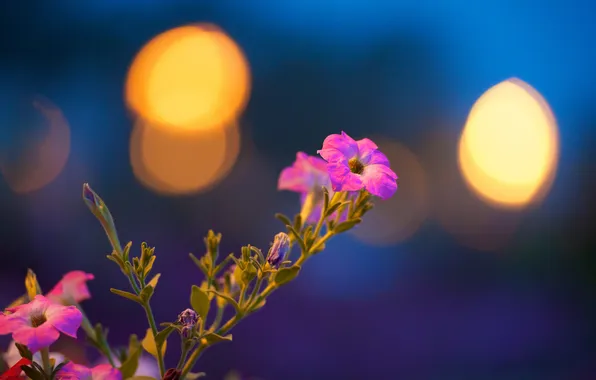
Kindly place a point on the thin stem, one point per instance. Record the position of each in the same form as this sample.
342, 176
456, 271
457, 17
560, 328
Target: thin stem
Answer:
317, 245
90, 331
151, 320
133, 283
185, 348
256, 289
45, 359
218, 318
199, 350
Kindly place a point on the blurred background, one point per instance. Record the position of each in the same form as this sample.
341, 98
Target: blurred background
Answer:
181, 114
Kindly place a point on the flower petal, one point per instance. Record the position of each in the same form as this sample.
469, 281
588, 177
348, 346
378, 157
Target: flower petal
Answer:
379, 180
365, 147
293, 179
36, 338
71, 288
374, 157
343, 179
66, 319
343, 143
73, 371
13, 322
105, 372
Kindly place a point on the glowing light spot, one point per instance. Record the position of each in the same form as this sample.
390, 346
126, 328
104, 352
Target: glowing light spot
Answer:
398, 218
43, 157
175, 162
508, 150
191, 77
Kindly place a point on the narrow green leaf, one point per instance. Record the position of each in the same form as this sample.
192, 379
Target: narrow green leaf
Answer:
150, 345
230, 300
154, 280
199, 264
259, 253
127, 295
149, 266
345, 226
213, 338
130, 365
162, 336
297, 222
297, 237
143, 378
326, 198
199, 301
126, 251
285, 275
33, 374
147, 293
332, 209
284, 219
24, 351
193, 376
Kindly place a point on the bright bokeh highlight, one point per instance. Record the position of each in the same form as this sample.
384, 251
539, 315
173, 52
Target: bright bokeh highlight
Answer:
44, 156
174, 162
191, 77
508, 150
398, 218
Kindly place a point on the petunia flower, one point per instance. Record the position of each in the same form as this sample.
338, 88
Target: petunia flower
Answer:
38, 324
307, 176
355, 165
73, 371
12, 355
72, 288
14, 372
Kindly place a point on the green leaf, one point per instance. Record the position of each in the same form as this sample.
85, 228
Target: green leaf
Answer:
130, 365
24, 351
32, 285
154, 280
297, 237
162, 336
126, 251
326, 198
143, 378
19, 301
258, 252
147, 293
199, 301
332, 209
127, 295
228, 298
33, 374
284, 219
150, 345
148, 266
285, 275
199, 264
213, 338
347, 225
297, 222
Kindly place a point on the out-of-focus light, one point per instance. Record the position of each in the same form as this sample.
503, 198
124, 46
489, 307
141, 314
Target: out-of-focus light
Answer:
398, 218
43, 158
191, 77
508, 150
174, 162
472, 222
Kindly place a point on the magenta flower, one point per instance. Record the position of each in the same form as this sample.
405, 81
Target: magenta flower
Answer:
355, 165
72, 288
38, 324
73, 371
307, 175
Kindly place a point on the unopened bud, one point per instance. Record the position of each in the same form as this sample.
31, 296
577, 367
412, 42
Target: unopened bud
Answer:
279, 250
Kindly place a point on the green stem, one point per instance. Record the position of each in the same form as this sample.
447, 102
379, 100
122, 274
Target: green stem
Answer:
90, 331
185, 348
199, 350
218, 318
45, 359
151, 320
256, 289
133, 283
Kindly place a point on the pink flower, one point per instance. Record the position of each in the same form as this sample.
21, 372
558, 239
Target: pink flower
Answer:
38, 324
73, 371
307, 175
354, 165
72, 288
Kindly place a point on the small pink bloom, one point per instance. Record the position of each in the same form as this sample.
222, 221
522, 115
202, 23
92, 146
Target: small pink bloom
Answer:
38, 324
354, 165
73, 371
307, 175
72, 288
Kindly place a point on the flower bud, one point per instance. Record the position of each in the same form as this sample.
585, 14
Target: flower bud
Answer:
188, 318
172, 374
279, 250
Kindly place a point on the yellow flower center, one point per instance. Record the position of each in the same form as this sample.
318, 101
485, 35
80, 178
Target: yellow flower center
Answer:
356, 166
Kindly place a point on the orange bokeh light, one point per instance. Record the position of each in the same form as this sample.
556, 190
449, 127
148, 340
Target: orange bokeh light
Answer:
175, 162
190, 77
